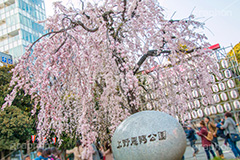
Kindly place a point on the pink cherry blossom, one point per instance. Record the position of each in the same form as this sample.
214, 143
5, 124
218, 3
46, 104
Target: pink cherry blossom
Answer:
86, 73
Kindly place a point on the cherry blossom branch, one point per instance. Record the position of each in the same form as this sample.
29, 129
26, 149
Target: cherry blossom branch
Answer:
155, 53
73, 25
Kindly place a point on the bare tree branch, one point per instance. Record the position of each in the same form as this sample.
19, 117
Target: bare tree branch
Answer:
124, 9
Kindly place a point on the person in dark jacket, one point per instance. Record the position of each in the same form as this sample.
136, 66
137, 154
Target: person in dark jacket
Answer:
39, 152
230, 128
220, 132
192, 139
206, 143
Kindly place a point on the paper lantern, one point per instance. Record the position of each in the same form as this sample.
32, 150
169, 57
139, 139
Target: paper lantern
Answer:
193, 84
207, 111
222, 86
224, 64
227, 73
230, 83
204, 101
215, 88
212, 78
202, 92
234, 94
223, 96
200, 113
197, 81
213, 110
220, 108
190, 105
195, 93
194, 114
216, 98
189, 116
236, 104
209, 69
227, 107
197, 103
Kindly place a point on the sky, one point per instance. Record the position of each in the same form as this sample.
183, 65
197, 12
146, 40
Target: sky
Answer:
222, 17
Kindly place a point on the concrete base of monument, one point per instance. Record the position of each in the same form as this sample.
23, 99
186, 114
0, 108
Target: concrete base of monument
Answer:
149, 135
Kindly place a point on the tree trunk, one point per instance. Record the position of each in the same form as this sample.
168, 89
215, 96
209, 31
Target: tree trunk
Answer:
2, 155
21, 152
28, 147
8, 157
63, 155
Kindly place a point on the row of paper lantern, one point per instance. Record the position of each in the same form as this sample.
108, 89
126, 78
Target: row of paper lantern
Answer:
223, 96
212, 110
197, 104
224, 64
222, 86
217, 98
226, 74
233, 94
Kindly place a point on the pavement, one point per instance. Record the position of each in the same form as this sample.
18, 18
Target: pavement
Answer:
202, 155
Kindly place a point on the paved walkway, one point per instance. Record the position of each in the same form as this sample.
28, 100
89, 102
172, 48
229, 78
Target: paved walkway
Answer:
202, 156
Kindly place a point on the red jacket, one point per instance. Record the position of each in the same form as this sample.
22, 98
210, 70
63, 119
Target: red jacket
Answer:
202, 133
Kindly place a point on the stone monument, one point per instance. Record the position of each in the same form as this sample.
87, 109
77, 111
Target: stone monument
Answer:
149, 135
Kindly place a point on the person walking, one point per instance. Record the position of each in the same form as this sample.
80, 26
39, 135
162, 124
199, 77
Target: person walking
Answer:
77, 151
230, 128
211, 127
192, 139
96, 155
220, 132
205, 143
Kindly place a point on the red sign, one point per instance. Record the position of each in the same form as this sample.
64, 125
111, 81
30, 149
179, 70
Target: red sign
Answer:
54, 140
214, 47
33, 137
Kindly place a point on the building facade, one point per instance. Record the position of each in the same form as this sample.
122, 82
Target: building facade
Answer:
19, 25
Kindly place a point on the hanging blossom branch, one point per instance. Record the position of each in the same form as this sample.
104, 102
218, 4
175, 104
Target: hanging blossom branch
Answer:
84, 79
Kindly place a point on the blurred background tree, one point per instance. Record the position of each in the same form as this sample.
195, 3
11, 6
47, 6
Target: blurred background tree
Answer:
16, 123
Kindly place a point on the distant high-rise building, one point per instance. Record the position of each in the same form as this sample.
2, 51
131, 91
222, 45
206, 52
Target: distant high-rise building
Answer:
19, 25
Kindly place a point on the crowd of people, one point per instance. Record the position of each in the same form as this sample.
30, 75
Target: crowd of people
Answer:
46, 154
209, 133
98, 152
54, 154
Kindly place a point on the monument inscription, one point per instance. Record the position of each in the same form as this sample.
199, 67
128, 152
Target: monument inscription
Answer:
143, 139
150, 135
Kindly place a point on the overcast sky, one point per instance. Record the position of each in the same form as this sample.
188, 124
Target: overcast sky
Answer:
222, 16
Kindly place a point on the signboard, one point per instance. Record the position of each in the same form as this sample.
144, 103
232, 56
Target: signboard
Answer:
6, 58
